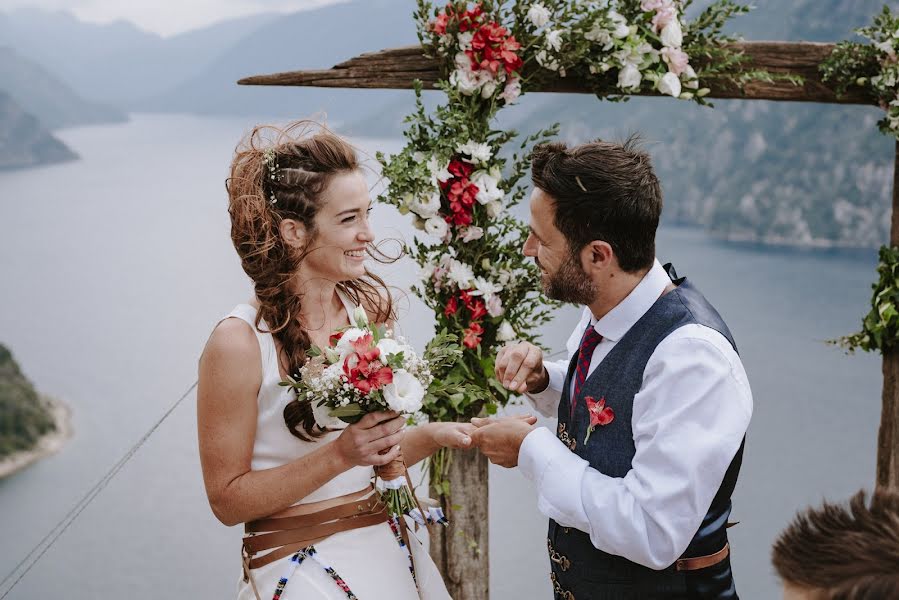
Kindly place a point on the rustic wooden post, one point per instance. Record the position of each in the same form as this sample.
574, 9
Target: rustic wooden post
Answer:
888, 438
461, 550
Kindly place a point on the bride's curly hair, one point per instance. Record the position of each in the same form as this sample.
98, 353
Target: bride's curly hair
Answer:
276, 174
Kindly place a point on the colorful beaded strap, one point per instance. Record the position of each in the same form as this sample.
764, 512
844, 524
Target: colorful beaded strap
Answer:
297, 559
310, 552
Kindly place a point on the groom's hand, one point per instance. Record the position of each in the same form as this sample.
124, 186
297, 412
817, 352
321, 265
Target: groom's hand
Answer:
500, 439
519, 368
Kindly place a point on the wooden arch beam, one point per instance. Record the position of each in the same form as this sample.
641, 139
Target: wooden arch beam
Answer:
398, 68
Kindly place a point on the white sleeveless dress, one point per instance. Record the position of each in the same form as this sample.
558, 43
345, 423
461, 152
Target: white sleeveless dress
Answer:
369, 560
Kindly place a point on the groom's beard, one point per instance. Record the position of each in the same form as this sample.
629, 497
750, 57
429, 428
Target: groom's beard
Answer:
570, 284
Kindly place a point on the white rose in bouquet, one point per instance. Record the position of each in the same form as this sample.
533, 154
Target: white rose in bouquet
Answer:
389, 347
405, 393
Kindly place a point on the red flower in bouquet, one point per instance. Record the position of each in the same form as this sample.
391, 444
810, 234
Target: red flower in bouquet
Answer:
600, 414
473, 335
364, 349
334, 338
362, 367
369, 376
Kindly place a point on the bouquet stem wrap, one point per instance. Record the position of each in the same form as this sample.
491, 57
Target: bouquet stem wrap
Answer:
399, 497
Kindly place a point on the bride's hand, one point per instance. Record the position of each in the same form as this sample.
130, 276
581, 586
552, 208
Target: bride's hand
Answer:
362, 443
452, 435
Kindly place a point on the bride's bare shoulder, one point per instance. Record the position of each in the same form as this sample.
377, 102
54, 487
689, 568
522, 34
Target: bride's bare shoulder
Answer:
232, 340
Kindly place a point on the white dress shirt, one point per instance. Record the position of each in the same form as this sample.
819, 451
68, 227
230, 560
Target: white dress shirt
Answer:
688, 420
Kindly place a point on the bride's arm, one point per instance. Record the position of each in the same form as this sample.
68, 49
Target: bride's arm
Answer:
229, 379
421, 441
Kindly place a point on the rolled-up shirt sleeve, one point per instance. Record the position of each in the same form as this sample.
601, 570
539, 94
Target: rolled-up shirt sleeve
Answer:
547, 401
689, 419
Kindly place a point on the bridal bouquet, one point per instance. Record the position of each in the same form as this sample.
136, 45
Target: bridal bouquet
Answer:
365, 370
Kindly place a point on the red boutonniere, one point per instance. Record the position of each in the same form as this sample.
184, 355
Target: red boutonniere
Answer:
600, 414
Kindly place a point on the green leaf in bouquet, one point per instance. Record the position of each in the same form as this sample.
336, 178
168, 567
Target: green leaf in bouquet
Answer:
350, 410
395, 361
313, 352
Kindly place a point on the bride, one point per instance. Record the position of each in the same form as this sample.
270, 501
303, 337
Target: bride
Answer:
299, 209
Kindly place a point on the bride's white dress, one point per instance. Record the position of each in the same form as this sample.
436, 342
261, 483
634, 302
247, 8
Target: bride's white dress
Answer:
369, 559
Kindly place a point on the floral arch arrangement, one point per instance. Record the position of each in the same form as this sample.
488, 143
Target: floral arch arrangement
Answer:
457, 178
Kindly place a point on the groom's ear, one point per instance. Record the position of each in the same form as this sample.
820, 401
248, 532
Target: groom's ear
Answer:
597, 255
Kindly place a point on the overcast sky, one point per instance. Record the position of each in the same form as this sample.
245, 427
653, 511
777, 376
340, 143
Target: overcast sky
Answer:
165, 17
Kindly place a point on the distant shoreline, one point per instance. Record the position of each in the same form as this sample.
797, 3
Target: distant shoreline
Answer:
47, 445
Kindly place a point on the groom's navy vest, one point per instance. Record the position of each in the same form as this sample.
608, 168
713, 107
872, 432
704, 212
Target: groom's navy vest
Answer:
580, 571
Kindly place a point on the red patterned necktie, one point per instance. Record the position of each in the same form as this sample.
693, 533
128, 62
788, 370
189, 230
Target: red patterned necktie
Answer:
585, 354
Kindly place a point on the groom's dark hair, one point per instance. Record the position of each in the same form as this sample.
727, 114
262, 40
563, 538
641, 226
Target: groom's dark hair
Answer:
603, 191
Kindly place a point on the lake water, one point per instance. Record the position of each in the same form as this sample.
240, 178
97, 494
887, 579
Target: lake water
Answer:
114, 269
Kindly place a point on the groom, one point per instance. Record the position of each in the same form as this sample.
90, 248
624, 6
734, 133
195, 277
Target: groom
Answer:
653, 405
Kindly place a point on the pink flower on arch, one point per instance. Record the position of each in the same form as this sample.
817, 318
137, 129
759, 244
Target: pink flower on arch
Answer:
676, 59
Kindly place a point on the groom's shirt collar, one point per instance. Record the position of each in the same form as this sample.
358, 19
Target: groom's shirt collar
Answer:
626, 313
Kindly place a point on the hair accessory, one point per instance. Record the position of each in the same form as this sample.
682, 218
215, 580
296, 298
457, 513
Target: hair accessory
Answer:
581, 185
270, 160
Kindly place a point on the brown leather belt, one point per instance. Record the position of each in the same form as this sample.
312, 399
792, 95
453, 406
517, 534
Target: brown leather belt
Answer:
303, 525
702, 562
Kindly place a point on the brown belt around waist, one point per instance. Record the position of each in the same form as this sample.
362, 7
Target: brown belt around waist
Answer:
701, 562
306, 524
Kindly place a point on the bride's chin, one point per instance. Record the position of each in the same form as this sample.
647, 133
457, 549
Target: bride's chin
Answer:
354, 271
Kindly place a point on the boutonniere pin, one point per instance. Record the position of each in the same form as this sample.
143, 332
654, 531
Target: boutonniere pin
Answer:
600, 414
